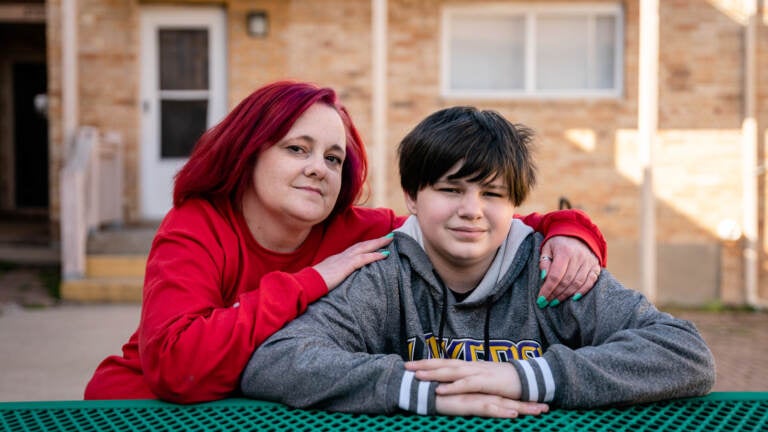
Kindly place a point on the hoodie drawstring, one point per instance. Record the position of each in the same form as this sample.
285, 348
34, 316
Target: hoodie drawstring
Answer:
443, 313
487, 332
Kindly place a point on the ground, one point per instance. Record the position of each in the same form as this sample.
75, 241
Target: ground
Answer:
738, 339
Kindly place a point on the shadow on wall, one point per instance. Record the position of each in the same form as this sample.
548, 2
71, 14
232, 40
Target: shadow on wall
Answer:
588, 152
587, 149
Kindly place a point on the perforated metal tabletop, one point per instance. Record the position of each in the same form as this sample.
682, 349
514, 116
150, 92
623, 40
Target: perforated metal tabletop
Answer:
715, 412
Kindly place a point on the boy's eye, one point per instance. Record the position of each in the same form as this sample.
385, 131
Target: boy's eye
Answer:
494, 194
448, 189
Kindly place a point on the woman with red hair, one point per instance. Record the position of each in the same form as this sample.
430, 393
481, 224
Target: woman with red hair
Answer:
263, 224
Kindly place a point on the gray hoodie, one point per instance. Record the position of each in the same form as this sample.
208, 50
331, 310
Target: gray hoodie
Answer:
346, 353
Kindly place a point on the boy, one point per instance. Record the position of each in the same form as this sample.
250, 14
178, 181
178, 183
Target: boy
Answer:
460, 284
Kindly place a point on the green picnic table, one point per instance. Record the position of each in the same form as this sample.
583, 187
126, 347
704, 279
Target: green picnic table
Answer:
714, 412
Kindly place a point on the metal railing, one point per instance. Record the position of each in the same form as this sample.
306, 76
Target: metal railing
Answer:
91, 194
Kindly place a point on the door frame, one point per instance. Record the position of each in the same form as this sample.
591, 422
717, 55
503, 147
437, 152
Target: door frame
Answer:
153, 170
8, 131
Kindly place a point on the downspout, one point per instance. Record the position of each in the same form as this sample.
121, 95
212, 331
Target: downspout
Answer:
69, 94
647, 124
750, 171
379, 101
71, 260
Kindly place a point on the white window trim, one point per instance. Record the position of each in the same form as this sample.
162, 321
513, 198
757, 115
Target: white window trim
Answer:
529, 11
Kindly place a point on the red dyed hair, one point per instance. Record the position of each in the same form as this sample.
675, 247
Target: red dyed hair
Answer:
222, 162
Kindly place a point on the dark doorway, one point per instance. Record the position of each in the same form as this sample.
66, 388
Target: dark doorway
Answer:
30, 136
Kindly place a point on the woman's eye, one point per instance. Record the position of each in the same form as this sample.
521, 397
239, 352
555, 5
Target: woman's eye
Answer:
295, 149
334, 160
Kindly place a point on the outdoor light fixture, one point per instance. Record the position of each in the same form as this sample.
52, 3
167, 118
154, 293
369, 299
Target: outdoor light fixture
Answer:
257, 24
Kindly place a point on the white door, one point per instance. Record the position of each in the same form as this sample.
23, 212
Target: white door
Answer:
183, 92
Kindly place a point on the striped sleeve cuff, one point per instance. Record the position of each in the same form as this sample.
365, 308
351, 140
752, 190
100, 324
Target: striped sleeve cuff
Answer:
417, 396
536, 381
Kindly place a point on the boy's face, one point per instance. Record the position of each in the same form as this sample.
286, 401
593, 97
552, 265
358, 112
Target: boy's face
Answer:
463, 223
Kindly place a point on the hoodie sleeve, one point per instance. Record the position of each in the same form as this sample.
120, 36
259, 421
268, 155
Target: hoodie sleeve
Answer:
332, 357
628, 352
571, 223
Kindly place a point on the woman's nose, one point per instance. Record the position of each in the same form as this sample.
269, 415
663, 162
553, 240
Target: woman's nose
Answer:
316, 167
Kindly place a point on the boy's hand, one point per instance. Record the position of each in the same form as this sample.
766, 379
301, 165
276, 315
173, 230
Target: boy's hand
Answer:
463, 377
479, 404
485, 389
571, 269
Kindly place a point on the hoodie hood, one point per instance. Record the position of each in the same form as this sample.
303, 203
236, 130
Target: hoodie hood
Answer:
489, 286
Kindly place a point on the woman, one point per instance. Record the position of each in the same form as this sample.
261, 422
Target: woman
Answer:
263, 224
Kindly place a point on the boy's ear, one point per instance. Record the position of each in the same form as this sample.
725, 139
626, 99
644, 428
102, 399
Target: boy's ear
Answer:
410, 203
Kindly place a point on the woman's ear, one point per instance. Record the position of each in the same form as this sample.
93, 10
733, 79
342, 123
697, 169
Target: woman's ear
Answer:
410, 203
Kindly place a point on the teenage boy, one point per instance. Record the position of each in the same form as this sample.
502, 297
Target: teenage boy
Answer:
460, 284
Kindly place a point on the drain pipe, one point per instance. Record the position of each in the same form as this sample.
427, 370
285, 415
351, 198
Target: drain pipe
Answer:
647, 125
69, 96
72, 263
379, 100
749, 144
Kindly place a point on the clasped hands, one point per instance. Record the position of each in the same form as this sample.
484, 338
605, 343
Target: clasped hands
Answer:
486, 389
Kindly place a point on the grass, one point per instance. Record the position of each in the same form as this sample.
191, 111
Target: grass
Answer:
714, 306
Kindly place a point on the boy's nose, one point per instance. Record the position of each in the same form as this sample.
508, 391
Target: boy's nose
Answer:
470, 206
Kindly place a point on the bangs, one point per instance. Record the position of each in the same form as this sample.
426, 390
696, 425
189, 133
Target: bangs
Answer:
485, 160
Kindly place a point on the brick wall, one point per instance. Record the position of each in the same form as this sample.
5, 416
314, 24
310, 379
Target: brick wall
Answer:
587, 149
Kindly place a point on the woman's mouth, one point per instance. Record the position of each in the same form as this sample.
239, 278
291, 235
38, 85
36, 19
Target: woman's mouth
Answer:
311, 189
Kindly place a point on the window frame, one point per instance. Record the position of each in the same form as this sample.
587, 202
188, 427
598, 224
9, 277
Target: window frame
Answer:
530, 13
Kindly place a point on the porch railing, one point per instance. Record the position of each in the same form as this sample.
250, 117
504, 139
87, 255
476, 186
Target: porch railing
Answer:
91, 194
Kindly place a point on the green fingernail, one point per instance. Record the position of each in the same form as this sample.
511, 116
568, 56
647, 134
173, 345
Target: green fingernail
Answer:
384, 252
554, 303
577, 297
542, 302
390, 235
543, 274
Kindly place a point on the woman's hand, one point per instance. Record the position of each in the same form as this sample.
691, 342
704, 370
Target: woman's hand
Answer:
336, 268
571, 270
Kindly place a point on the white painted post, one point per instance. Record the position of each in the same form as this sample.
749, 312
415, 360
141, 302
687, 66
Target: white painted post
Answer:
749, 172
647, 124
379, 160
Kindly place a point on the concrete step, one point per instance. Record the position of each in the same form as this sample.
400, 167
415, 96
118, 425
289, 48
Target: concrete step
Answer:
135, 239
114, 266
105, 266
30, 254
103, 290
109, 279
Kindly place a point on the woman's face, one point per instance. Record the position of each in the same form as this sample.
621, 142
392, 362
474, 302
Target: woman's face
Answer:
298, 179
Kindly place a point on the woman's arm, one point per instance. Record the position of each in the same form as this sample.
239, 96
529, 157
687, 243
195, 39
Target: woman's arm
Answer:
572, 253
334, 356
204, 311
571, 223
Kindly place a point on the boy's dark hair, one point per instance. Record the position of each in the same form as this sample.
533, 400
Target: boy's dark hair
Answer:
487, 143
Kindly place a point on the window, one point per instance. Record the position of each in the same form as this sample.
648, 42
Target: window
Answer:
532, 50
184, 89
